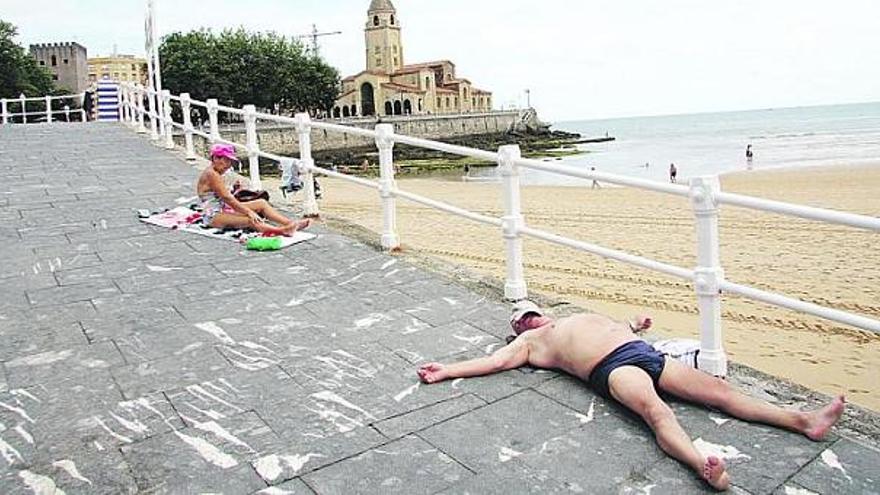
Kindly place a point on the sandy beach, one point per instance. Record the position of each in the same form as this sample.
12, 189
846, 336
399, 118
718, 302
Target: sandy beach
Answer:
831, 265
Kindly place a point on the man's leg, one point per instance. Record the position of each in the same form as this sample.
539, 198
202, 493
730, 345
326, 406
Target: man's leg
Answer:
633, 388
702, 388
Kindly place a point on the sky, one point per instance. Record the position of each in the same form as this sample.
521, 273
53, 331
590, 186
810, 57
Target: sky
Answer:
579, 59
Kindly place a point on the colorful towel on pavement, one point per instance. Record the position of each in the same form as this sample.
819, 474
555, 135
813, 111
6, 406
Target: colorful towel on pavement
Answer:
186, 219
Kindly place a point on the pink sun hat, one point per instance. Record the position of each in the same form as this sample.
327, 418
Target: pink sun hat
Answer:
220, 150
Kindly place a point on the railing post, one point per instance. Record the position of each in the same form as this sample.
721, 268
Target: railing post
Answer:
127, 113
154, 115
5, 111
120, 104
212, 119
185, 107
512, 221
48, 109
253, 147
169, 128
23, 101
385, 143
67, 113
160, 113
708, 274
304, 135
139, 96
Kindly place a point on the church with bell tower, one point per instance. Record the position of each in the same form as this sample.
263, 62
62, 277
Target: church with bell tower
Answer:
388, 86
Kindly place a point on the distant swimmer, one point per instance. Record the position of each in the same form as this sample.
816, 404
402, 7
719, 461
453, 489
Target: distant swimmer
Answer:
749, 154
673, 172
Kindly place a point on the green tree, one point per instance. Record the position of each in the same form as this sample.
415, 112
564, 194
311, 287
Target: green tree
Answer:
240, 68
19, 72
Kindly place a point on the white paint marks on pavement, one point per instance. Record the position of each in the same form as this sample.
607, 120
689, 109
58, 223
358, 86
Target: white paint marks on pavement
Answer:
792, 490
70, 467
719, 421
9, 453
162, 269
24, 434
506, 454
17, 410
216, 429
270, 467
39, 484
371, 320
721, 451
409, 390
476, 339
41, 359
121, 438
208, 451
830, 459
215, 330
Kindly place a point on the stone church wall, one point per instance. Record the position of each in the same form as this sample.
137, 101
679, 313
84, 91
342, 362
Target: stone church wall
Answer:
283, 139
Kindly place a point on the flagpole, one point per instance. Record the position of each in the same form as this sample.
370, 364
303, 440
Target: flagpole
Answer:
157, 69
148, 48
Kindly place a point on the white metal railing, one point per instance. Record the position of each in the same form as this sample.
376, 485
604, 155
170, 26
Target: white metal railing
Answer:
8, 116
704, 193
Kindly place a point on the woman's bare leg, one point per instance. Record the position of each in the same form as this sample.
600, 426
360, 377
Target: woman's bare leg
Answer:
265, 210
239, 221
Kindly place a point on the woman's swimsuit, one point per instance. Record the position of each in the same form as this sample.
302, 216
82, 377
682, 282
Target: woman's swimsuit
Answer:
212, 205
637, 353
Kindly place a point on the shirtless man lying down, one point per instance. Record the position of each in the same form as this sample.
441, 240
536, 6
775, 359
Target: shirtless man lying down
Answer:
619, 365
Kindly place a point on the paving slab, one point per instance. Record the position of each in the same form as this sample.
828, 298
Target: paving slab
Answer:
844, 467
408, 465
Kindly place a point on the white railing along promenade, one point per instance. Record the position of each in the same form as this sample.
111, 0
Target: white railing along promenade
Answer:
704, 193
8, 116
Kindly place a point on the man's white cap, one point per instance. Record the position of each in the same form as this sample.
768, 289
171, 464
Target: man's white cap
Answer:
523, 308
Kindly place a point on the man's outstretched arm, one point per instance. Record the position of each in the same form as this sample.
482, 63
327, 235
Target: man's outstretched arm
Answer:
511, 356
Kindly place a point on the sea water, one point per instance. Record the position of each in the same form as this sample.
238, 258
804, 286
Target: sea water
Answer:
715, 143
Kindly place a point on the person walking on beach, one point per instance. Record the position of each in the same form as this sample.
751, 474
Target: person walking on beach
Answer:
622, 367
596, 184
672, 172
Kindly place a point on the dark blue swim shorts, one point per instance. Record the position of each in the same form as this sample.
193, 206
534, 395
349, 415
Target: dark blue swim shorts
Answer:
637, 353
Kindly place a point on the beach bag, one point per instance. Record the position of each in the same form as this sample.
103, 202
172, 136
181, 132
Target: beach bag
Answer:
245, 195
682, 350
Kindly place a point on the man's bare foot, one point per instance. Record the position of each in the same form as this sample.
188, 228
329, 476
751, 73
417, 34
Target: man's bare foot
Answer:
820, 421
715, 473
294, 226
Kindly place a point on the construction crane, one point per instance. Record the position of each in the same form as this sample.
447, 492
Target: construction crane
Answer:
314, 36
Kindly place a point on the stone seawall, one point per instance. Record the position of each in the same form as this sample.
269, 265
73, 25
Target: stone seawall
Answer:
283, 138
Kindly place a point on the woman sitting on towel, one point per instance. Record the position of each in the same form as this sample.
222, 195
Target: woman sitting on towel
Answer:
220, 209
